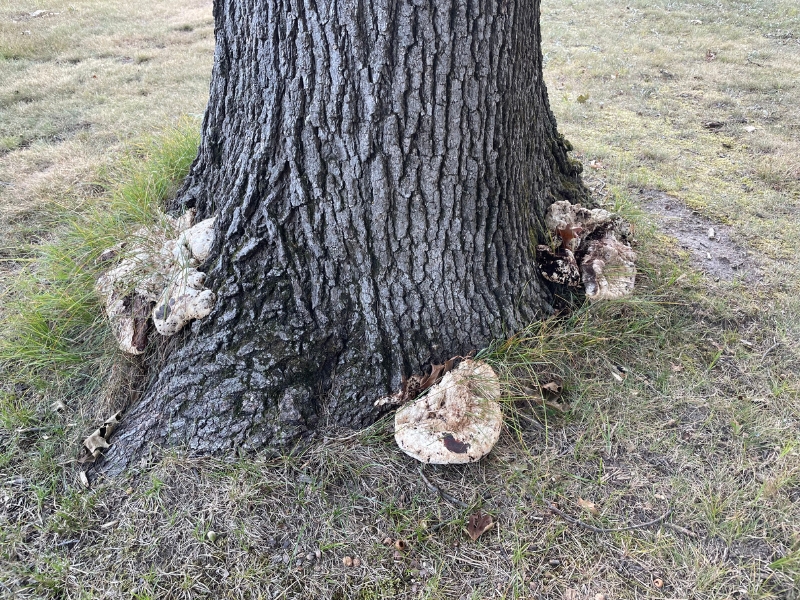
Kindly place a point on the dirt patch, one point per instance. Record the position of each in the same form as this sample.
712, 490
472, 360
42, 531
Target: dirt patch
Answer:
716, 255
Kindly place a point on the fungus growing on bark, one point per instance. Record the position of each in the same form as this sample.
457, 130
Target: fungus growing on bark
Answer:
589, 251
558, 266
161, 272
194, 244
182, 302
457, 421
608, 270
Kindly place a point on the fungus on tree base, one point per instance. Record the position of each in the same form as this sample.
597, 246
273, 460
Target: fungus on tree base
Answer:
457, 421
608, 270
157, 272
559, 266
185, 301
592, 249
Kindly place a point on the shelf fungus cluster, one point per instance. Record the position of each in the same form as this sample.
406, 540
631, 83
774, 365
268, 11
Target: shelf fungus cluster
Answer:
157, 278
457, 421
592, 249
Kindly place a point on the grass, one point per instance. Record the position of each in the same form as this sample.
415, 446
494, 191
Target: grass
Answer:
702, 417
76, 88
54, 328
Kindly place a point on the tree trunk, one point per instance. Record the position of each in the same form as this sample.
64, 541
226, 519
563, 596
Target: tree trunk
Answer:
380, 170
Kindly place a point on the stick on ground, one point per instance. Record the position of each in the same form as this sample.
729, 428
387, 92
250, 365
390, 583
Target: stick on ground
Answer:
442, 494
575, 521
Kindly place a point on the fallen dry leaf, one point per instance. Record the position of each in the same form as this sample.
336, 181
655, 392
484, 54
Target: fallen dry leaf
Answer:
596, 164
98, 441
569, 233
572, 594
553, 387
437, 371
413, 386
588, 506
536, 398
95, 442
478, 525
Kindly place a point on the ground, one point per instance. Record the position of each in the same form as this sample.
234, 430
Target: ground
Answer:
684, 399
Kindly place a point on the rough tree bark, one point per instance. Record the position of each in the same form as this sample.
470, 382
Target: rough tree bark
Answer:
380, 169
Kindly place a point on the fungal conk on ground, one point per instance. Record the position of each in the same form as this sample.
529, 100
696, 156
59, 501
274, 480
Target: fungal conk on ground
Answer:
457, 421
157, 278
592, 249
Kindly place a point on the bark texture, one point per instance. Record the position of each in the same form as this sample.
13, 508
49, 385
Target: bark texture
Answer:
380, 170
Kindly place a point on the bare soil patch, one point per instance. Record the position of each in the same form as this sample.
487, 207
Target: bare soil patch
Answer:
711, 244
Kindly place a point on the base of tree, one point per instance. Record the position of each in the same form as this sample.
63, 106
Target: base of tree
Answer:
379, 178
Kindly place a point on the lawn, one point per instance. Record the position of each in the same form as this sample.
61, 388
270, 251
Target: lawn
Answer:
680, 407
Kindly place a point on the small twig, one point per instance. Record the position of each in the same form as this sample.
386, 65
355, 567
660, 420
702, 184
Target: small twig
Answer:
535, 423
682, 530
32, 430
346, 438
438, 526
442, 494
575, 521
770, 349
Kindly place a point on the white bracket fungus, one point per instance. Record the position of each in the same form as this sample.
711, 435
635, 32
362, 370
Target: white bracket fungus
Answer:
159, 269
608, 270
592, 249
457, 421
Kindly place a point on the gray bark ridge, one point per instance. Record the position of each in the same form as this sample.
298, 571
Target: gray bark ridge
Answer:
380, 171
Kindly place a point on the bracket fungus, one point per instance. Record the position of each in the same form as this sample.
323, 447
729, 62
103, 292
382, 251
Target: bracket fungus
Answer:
459, 419
608, 270
157, 278
592, 249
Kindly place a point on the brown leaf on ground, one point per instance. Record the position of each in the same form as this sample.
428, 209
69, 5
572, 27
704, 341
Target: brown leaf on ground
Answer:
588, 506
537, 398
98, 441
572, 594
437, 371
569, 233
478, 525
413, 386
552, 387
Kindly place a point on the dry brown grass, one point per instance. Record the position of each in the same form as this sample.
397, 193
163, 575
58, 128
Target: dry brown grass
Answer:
80, 80
706, 421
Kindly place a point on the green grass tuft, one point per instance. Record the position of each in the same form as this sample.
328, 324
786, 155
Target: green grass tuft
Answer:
53, 329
